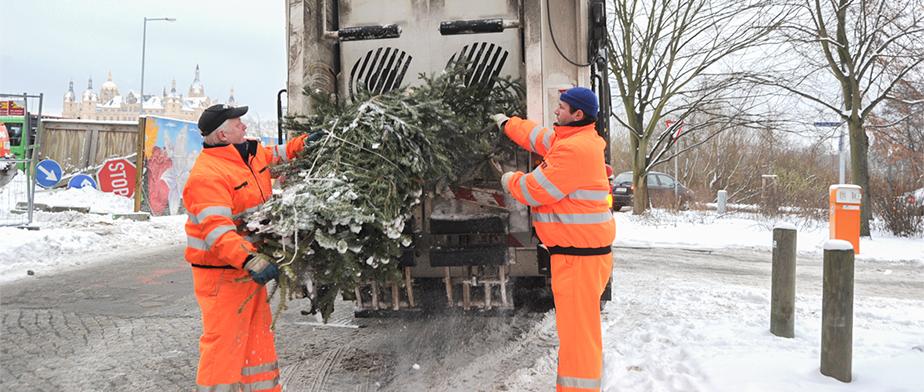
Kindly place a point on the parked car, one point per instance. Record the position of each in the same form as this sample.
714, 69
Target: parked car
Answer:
660, 191
915, 199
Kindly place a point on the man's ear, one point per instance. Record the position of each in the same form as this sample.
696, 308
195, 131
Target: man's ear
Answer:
579, 115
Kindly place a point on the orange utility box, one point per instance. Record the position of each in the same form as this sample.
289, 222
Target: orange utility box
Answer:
844, 209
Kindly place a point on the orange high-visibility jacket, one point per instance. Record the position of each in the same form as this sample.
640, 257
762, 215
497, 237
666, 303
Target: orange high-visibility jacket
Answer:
569, 191
220, 189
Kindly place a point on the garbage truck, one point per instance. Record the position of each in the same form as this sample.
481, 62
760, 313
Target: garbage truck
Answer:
474, 246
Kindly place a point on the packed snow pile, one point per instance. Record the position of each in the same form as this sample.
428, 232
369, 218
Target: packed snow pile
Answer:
70, 239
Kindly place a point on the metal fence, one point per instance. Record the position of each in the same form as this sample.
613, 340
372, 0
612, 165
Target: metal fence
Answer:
17, 193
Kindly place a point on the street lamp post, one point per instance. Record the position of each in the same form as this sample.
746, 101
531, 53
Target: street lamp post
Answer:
144, 37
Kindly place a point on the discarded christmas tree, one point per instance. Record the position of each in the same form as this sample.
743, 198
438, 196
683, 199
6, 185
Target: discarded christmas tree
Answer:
340, 218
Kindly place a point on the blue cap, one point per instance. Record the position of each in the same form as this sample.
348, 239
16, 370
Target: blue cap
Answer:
581, 98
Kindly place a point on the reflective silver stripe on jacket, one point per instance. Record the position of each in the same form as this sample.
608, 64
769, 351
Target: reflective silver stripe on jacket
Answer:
529, 198
547, 139
261, 385
196, 243
210, 211
236, 387
279, 151
547, 185
266, 367
245, 212
213, 235
582, 194
574, 219
533, 135
575, 382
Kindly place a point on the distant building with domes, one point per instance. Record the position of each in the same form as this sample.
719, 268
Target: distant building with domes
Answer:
111, 105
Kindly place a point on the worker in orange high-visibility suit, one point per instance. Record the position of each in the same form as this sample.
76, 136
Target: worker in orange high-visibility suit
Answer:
568, 194
231, 177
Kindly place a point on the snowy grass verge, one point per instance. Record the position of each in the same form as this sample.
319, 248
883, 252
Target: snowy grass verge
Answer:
709, 231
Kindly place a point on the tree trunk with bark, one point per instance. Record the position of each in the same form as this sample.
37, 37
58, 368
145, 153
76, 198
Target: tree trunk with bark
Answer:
859, 169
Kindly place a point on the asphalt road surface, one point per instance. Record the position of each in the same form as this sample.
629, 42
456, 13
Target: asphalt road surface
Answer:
132, 324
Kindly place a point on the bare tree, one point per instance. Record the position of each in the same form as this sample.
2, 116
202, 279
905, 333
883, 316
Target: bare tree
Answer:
868, 47
898, 130
673, 58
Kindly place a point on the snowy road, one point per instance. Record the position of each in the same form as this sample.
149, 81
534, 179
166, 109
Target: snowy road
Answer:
131, 323
693, 320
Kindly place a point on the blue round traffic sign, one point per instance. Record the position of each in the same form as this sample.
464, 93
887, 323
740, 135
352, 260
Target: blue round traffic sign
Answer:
81, 181
48, 173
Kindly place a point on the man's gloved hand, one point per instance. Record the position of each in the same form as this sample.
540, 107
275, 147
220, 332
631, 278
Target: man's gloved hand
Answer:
261, 268
500, 119
505, 181
315, 136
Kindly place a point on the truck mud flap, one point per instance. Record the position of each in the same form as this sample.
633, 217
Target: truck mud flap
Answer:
458, 257
492, 224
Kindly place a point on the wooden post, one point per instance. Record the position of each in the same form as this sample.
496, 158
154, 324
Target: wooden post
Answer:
837, 311
359, 298
783, 283
409, 286
502, 274
395, 297
375, 295
139, 161
448, 281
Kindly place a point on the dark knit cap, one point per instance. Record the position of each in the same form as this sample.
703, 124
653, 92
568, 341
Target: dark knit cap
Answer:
581, 98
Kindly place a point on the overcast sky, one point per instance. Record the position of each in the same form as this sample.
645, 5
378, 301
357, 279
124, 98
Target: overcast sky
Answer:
44, 44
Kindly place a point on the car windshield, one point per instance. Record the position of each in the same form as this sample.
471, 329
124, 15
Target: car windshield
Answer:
623, 177
15, 133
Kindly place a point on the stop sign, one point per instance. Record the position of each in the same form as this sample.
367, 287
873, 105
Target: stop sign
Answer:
117, 176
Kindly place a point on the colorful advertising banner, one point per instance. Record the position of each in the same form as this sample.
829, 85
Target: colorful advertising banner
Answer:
11, 108
170, 150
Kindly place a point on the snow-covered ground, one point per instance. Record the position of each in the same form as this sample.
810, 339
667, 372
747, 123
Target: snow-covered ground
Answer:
697, 319
66, 240
667, 329
705, 230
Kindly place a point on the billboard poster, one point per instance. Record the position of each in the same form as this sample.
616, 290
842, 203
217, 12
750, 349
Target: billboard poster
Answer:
12, 108
170, 149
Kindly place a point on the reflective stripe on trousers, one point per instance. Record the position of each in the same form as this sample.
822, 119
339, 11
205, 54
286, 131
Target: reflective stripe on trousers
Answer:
581, 383
239, 387
577, 283
237, 349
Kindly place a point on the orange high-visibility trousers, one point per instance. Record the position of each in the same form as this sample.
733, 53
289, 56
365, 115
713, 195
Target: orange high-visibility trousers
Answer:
577, 284
237, 350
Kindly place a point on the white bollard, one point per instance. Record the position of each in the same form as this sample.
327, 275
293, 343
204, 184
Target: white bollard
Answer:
722, 198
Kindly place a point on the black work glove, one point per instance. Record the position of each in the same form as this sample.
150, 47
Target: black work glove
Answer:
315, 136
261, 268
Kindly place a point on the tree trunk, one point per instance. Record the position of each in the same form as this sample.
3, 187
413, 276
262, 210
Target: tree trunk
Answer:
640, 180
859, 169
